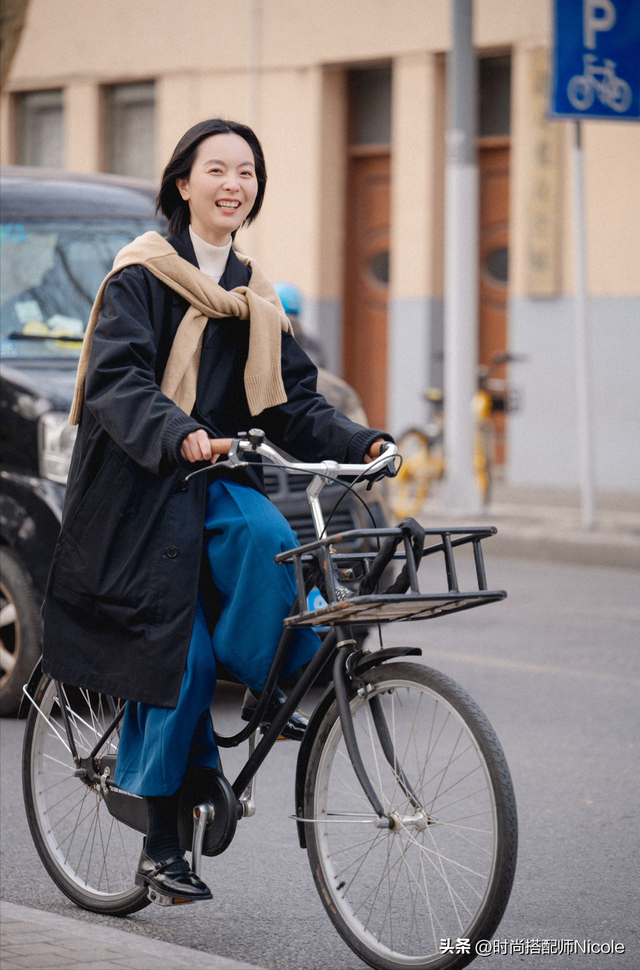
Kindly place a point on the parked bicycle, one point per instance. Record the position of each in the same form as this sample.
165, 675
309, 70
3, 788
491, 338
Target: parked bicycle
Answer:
403, 797
423, 449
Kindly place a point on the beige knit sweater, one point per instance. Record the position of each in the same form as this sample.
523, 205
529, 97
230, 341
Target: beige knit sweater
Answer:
257, 302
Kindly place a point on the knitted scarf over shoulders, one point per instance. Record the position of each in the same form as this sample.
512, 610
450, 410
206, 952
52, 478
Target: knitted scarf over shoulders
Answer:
257, 302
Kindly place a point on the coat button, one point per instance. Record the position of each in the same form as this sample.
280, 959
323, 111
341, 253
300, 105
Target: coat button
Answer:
171, 552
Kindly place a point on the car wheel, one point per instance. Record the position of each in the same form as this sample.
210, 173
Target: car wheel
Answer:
20, 640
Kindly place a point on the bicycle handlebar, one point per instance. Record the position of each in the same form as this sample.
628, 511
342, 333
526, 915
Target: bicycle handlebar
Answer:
380, 467
328, 468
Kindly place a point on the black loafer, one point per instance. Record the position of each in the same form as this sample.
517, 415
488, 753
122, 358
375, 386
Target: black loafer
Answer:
171, 878
294, 728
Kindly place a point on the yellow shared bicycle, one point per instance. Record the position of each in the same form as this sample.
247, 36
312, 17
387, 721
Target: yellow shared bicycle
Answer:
422, 448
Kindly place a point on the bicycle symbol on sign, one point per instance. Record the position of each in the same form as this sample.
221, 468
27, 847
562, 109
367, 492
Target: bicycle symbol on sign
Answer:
601, 80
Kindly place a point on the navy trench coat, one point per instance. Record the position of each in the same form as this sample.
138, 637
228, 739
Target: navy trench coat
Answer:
122, 591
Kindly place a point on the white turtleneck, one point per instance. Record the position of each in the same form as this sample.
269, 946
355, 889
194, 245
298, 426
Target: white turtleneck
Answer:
211, 259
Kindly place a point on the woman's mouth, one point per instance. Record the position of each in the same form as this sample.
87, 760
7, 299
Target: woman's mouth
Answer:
228, 205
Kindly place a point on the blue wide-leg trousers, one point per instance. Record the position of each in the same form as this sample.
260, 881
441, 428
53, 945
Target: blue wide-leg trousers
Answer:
245, 532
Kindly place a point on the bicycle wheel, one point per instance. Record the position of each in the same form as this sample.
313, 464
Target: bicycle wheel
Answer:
580, 92
482, 458
90, 855
620, 95
410, 487
444, 872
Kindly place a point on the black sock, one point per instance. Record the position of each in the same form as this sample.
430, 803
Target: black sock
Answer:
162, 833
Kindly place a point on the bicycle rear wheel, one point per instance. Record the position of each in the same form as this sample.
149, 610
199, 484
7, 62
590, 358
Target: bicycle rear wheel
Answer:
444, 871
90, 855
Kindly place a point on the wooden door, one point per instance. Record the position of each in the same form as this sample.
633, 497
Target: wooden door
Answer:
367, 281
494, 264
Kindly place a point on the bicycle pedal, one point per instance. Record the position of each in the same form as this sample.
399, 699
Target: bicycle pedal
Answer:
160, 899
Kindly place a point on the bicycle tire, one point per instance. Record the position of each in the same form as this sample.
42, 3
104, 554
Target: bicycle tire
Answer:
620, 95
444, 872
410, 487
580, 92
482, 459
90, 855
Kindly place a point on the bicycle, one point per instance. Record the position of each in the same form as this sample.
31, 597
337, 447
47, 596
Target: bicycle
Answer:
423, 452
600, 80
403, 797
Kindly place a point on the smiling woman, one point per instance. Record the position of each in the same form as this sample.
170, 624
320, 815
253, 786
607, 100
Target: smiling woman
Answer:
215, 161
221, 191
154, 578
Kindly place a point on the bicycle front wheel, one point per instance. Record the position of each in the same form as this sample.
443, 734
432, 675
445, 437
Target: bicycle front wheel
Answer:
410, 487
443, 873
483, 458
90, 855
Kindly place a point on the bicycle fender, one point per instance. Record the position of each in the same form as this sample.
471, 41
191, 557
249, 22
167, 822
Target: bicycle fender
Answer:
389, 653
30, 688
366, 663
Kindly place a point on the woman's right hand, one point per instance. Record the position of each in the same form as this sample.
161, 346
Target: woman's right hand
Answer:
198, 446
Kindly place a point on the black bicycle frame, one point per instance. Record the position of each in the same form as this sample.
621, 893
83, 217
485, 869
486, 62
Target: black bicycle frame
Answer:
337, 642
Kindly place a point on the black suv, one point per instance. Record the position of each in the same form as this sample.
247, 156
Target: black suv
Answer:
58, 238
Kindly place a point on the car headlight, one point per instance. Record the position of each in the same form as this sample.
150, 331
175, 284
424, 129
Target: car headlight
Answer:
56, 438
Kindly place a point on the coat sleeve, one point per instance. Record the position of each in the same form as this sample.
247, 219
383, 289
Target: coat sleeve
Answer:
122, 390
307, 426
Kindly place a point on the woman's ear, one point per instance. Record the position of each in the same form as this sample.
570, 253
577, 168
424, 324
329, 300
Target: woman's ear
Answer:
183, 188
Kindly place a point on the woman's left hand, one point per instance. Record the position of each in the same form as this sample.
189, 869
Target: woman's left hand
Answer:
374, 450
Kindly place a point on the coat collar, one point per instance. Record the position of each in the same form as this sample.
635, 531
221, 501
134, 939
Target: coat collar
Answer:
235, 274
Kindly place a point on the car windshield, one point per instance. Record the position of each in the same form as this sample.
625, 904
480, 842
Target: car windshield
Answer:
50, 272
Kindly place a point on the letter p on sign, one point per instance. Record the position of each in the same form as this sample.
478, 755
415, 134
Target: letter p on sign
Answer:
596, 15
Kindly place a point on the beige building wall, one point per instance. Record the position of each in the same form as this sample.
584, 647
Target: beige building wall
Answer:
612, 187
289, 79
83, 46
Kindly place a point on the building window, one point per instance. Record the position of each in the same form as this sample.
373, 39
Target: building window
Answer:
131, 129
40, 129
495, 96
370, 98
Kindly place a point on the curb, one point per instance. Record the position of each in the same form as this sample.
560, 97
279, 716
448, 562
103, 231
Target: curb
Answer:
39, 940
574, 548
549, 532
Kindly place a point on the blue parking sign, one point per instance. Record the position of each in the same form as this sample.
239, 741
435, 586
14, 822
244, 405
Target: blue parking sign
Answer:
596, 59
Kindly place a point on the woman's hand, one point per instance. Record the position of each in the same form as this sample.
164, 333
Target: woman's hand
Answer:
198, 446
374, 450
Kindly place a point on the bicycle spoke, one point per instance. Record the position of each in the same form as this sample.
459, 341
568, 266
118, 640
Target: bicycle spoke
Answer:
88, 851
425, 877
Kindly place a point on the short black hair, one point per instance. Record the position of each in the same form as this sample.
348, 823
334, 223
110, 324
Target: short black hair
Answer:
170, 202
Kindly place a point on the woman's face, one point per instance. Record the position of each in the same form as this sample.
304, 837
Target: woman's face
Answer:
221, 188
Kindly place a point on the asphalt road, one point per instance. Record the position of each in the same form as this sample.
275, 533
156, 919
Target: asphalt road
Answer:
556, 667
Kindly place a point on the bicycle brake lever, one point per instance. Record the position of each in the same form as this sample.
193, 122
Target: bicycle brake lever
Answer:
388, 470
232, 460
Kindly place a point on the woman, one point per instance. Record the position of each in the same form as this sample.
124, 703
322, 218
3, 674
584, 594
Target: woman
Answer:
186, 346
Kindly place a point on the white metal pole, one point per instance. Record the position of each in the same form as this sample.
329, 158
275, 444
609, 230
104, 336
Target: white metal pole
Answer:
461, 263
583, 377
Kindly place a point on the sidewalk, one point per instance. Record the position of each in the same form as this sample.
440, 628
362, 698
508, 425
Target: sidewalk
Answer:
544, 523
32, 939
